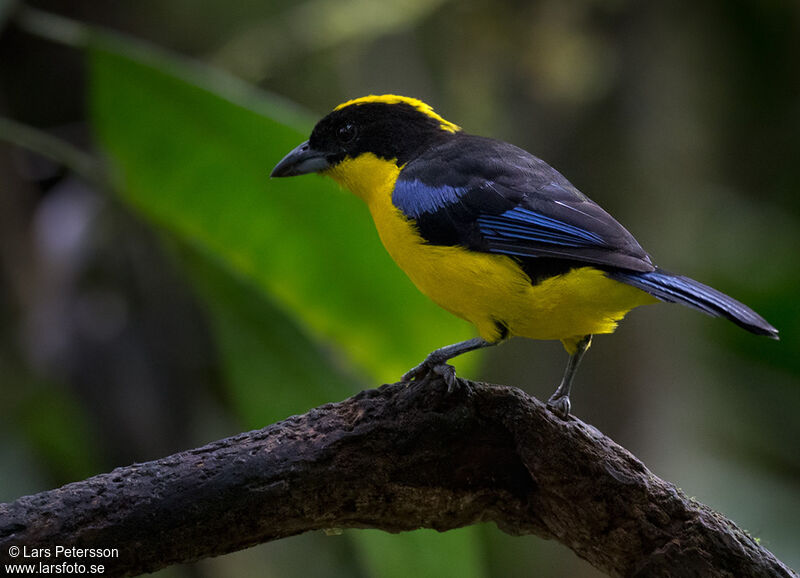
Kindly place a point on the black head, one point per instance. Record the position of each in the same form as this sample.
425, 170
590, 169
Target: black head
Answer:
390, 127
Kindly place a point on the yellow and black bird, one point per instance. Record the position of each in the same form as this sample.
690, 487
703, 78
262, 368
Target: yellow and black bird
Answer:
492, 233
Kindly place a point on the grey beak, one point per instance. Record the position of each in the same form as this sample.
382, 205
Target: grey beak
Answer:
302, 160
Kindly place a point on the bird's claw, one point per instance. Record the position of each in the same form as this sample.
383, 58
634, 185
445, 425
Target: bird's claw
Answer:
448, 374
559, 405
425, 370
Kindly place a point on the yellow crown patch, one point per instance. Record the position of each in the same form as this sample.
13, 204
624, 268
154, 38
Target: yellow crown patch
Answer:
396, 99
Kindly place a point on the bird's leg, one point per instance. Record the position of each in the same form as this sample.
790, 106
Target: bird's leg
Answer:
559, 401
435, 362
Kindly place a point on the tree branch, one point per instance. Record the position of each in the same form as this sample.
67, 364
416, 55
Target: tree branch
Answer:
396, 458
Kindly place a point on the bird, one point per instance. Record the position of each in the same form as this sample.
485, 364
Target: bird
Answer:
493, 234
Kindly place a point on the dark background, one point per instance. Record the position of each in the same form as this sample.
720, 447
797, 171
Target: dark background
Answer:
682, 119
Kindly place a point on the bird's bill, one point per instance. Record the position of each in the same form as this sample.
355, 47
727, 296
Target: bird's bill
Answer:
301, 161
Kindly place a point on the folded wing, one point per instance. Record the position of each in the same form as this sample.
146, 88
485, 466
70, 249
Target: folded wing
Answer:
493, 197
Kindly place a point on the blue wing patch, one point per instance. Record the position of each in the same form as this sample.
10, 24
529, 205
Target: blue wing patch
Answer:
522, 224
516, 231
415, 198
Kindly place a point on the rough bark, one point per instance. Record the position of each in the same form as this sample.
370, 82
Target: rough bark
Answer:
396, 458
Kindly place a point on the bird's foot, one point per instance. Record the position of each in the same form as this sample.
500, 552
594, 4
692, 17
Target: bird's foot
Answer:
427, 369
559, 405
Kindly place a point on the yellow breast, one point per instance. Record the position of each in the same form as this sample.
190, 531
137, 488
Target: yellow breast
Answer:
491, 291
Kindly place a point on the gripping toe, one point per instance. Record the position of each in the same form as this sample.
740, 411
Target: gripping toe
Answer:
425, 370
560, 406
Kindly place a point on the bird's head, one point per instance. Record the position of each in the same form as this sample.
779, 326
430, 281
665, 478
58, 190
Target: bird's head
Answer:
361, 136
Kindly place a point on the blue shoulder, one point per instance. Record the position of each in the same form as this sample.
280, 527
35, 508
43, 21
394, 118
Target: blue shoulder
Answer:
416, 198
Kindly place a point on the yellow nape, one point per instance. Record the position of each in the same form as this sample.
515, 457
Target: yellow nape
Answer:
422, 107
489, 290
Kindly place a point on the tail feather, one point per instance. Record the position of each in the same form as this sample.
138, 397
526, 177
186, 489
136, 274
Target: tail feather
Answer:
679, 289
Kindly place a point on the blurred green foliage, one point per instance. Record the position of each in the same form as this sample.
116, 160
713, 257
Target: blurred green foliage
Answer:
197, 164
423, 553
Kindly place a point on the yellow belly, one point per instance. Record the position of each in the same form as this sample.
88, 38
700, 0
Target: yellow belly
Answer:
490, 291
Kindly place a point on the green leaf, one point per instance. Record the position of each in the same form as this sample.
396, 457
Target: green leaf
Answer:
272, 369
196, 160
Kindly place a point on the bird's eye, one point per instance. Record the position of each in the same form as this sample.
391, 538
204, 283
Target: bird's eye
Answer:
346, 133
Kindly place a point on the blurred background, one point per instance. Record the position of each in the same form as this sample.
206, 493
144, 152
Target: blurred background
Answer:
158, 292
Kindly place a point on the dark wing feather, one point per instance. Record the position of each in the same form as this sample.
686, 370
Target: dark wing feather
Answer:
493, 197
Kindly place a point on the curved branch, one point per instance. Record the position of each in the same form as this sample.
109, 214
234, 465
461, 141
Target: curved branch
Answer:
396, 458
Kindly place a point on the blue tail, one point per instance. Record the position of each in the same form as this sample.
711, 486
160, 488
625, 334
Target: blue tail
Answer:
679, 289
